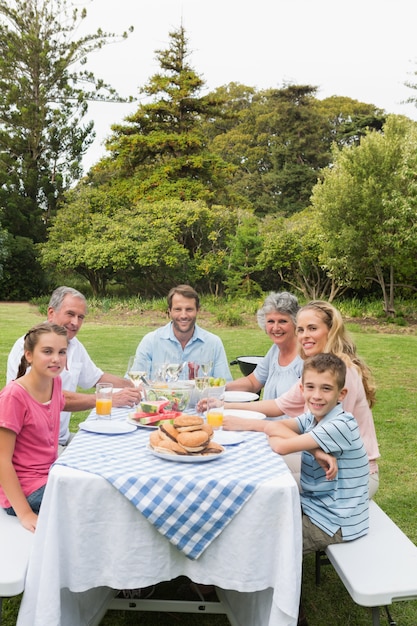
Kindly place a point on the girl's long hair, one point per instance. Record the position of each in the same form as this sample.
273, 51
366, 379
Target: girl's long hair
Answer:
340, 343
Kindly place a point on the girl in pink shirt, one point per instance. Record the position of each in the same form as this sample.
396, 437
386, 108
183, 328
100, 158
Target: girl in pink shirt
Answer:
29, 422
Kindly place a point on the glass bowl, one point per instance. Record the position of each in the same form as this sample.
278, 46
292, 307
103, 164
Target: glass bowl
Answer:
178, 394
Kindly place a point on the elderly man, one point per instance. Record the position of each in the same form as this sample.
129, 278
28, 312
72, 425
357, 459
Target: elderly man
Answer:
67, 307
182, 339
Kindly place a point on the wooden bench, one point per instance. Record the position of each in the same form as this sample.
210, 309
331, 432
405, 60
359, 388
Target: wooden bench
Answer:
15, 547
376, 569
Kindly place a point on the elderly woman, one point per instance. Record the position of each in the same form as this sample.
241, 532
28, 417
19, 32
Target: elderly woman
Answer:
282, 365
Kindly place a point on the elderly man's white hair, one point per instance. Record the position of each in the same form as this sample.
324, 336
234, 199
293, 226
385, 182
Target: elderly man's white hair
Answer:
59, 294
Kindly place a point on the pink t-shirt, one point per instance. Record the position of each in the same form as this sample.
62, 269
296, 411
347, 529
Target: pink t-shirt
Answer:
37, 428
292, 403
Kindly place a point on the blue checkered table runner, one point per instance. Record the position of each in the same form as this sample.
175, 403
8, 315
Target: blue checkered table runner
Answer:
189, 504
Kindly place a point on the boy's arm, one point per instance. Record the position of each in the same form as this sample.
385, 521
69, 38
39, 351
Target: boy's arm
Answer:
233, 422
283, 428
289, 441
285, 438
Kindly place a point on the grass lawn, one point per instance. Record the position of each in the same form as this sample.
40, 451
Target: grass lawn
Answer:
393, 360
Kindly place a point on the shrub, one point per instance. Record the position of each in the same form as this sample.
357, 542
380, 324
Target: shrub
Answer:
229, 318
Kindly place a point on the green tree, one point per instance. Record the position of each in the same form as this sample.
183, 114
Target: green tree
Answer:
276, 144
104, 237
244, 271
367, 206
280, 140
234, 101
298, 152
43, 100
162, 149
292, 247
15, 284
349, 120
205, 233
4, 250
99, 236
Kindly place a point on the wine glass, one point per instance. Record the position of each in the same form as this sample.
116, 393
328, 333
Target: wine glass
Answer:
173, 371
201, 383
134, 372
206, 367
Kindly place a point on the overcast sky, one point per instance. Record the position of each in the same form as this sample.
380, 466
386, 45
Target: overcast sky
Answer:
362, 49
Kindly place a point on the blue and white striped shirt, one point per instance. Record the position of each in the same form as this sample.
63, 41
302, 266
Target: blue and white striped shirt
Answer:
342, 502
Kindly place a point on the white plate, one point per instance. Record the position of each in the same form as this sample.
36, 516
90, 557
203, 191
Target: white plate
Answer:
250, 415
239, 396
227, 437
186, 458
116, 389
107, 427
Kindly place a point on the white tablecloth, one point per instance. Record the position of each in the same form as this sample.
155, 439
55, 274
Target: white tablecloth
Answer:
90, 538
190, 504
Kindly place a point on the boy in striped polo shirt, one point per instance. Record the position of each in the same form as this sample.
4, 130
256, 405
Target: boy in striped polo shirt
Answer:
334, 463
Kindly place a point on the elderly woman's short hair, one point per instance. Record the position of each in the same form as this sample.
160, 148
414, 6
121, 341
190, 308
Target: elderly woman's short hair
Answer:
278, 302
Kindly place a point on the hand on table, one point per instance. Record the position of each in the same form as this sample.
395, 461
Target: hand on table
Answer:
204, 402
201, 405
128, 396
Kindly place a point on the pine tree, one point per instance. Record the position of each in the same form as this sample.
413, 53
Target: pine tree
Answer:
162, 149
43, 99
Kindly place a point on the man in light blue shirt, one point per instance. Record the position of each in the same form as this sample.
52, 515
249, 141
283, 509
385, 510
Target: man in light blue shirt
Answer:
182, 340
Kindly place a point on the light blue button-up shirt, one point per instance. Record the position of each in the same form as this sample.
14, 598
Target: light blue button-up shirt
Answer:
161, 346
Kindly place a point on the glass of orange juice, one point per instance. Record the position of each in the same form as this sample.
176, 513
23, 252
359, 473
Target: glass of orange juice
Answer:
215, 407
104, 393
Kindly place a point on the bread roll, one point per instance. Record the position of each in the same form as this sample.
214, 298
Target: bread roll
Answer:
213, 448
154, 438
167, 446
184, 423
168, 431
194, 441
208, 428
